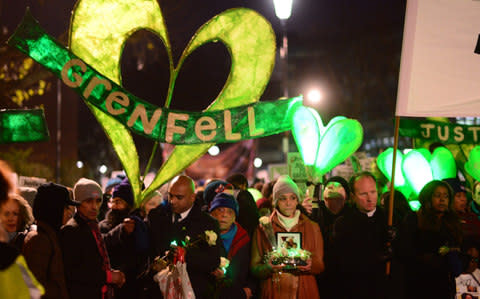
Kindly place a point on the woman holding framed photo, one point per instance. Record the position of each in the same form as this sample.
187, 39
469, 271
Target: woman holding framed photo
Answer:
287, 247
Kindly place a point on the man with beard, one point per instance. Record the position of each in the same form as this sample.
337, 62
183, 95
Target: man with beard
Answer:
125, 256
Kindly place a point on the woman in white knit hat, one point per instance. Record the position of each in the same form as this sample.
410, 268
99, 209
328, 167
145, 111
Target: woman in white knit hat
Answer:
287, 280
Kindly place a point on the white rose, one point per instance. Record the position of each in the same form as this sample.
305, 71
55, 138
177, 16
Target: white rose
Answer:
224, 263
264, 220
211, 237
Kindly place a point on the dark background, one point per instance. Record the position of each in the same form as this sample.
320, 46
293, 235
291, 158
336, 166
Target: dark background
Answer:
349, 49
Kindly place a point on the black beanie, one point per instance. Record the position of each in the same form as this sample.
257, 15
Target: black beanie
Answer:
124, 191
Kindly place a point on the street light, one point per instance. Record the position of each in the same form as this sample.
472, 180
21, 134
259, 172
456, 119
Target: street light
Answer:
283, 10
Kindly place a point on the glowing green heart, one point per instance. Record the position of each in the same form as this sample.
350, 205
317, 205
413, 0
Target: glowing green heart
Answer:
99, 30
472, 166
417, 168
385, 162
323, 148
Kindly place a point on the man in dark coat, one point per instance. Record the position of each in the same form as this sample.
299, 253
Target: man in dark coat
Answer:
127, 256
87, 266
358, 243
182, 218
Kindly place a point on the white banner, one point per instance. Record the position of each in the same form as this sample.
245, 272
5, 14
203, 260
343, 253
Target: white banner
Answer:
440, 72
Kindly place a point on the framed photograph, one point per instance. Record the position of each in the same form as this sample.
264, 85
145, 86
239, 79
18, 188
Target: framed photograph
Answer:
289, 240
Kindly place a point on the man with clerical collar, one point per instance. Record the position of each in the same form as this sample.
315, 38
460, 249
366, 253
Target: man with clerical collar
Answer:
180, 218
87, 266
359, 242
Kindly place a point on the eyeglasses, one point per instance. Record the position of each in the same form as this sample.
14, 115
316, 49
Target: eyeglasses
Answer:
107, 196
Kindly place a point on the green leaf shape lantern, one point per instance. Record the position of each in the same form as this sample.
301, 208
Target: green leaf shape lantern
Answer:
332, 144
385, 161
472, 166
99, 30
416, 170
443, 164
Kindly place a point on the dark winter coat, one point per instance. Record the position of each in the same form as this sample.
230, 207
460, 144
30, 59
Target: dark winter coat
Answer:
201, 260
44, 258
126, 256
357, 257
248, 212
237, 276
82, 260
428, 273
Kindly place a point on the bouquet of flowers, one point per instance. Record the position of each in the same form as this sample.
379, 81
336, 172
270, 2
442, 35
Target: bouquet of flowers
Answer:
172, 277
291, 257
288, 254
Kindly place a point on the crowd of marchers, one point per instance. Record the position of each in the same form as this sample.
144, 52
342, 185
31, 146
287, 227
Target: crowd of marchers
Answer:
92, 242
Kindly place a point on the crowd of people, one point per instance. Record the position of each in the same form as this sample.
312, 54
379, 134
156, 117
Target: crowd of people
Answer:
89, 242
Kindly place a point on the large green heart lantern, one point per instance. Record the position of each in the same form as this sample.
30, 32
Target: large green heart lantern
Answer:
418, 167
99, 30
472, 166
324, 147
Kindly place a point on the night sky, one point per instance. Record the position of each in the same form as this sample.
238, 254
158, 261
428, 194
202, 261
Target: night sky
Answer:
351, 49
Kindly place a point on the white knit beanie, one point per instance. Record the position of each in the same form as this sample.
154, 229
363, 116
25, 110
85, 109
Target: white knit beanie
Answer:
284, 185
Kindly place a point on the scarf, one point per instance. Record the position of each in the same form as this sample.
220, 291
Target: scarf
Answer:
102, 249
289, 222
227, 237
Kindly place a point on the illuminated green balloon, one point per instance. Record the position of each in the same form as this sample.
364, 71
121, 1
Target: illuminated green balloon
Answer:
307, 134
321, 147
425, 153
472, 166
414, 205
385, 161
416, 170
99, 30
340, 140
443, 164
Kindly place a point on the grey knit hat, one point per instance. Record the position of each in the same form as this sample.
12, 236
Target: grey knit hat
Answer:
284, 185
85, 189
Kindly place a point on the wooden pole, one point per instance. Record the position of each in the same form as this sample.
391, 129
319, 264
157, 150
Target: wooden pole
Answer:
392, 183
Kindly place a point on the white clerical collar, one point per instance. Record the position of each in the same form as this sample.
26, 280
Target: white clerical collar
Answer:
370, 214
182, 215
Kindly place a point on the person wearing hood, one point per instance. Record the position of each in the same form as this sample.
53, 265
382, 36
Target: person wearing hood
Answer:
52, 209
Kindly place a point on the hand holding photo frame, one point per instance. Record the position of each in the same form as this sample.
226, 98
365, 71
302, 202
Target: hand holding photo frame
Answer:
288, 251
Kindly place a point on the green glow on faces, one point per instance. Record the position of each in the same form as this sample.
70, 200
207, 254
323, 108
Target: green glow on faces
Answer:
415, 205
325, 147
473, 164
384, 162
416, 170
443, 164
99, 30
